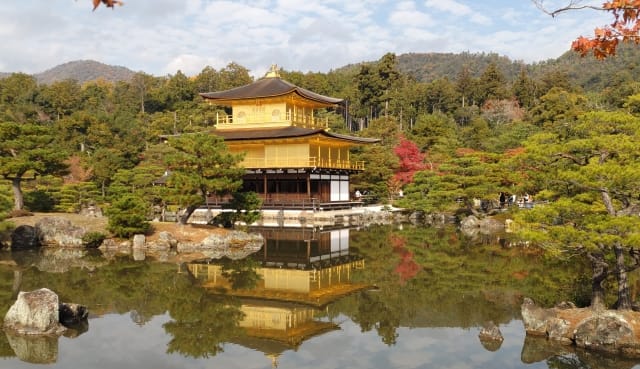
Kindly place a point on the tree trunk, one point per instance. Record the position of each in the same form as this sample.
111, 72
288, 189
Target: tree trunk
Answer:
18, 199
608, 203
624, 298
600, 271
17, 283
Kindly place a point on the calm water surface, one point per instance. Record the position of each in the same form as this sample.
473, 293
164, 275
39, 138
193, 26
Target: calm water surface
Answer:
380, 297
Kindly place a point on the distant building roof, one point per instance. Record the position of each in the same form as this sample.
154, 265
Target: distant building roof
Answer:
287, 132
267, 87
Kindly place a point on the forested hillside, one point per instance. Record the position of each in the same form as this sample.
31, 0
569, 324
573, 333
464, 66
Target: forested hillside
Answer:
83, 71
587, 73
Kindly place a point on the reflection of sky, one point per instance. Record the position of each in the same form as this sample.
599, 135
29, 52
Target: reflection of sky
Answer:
114, 341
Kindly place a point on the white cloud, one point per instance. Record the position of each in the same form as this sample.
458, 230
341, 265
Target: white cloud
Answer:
450, 6
192, 64
316, 35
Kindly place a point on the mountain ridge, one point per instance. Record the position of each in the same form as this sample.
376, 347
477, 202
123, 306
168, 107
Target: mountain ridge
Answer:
587, 72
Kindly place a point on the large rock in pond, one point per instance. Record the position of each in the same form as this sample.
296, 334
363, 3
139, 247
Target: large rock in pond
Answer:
40, 313
56, 231
25, 237
35, 312
610, 331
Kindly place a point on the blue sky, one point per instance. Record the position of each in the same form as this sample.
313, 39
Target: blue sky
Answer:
161, 37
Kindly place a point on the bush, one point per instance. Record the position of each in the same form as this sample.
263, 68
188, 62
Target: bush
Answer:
128, 216
39, 200
92, 240
5, 232
246, 206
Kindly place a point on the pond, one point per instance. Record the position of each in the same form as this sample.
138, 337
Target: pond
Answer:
376, 297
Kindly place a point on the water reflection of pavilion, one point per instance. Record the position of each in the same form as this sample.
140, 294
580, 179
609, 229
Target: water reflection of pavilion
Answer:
300, 271
294, 265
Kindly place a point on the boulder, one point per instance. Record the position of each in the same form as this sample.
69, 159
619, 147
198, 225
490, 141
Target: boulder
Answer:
39, 313
534, 318
608, 331
25, 237
139, 241
470, 222
234, 245
92, 211
56, 231
72, 314
35, 312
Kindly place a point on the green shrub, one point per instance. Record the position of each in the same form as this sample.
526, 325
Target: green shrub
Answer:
92, 240
39, 200
128, 216
5, 232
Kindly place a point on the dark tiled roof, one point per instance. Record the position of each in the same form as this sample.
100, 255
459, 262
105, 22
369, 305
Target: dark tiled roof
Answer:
287, 132
268, 87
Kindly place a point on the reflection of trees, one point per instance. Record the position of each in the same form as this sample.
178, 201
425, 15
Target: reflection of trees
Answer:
201, 323
459, 283
201, 326
242, 273
375, 313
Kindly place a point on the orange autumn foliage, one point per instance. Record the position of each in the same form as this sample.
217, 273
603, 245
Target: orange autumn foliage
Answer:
625, 28
107, 3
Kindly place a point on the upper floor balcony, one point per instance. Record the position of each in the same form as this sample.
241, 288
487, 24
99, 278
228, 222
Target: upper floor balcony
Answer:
300, 162
268, 120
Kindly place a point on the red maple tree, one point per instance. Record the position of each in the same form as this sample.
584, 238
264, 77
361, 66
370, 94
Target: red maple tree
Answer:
410, 158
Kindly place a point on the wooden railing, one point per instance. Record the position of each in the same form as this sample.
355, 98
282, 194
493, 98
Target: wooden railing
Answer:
298, 120
301, 162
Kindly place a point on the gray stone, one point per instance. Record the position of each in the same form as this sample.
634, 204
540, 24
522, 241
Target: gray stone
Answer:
139, 241
234, 245
606, 333
469, 222
168, 238
92, 211
72, 314
25, 237
534, 318
558, 330
35, 312
56, 231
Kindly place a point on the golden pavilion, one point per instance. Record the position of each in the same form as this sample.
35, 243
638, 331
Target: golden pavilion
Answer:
291, 158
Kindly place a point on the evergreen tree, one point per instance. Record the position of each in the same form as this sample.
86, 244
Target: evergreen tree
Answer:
201, 165
589, 171
27, 151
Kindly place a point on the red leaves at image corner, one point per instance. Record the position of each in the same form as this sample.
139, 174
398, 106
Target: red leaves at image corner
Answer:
406, 268
107, 3
625, 28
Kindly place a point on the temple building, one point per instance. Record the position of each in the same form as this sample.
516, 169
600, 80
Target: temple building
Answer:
291, 158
